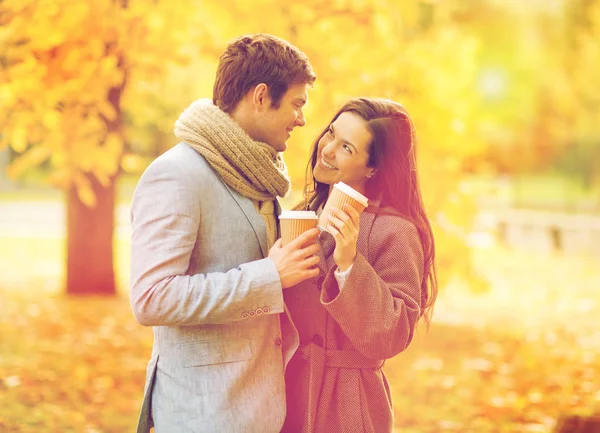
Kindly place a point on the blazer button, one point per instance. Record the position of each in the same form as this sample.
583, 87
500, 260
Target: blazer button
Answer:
259, 311
318, 340
266, 310
278, 342
251, 313
245, 315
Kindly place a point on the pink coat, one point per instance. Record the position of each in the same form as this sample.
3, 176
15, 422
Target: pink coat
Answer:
334, 382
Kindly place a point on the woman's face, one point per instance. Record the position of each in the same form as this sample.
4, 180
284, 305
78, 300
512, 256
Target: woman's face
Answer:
343, 152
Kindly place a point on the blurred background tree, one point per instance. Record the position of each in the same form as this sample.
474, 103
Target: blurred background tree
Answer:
71, 73
91, 91
505, 99
581, 158
535, 83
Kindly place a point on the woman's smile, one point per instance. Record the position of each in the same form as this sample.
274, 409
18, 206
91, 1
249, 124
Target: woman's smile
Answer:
325, 164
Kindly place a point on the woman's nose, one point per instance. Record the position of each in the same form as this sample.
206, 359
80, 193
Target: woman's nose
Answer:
329, 149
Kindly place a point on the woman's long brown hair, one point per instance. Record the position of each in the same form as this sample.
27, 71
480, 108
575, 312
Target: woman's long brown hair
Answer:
392, 151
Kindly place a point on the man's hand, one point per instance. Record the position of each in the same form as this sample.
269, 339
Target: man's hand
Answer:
297, 261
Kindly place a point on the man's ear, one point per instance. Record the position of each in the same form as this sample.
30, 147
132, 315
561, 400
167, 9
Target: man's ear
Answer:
260, 97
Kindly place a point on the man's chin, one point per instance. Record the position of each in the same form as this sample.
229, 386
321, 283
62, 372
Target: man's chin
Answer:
280, 147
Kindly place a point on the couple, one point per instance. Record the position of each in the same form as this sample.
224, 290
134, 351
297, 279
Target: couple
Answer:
250, 336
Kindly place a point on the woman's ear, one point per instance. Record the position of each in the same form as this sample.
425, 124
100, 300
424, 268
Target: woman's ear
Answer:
371, 173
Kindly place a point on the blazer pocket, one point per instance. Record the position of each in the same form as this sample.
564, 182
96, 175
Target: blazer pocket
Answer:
216, 352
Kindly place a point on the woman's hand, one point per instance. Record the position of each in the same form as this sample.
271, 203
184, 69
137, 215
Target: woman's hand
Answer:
345, 232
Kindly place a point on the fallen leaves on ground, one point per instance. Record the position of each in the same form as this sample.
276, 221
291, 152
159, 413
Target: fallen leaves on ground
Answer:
513, 359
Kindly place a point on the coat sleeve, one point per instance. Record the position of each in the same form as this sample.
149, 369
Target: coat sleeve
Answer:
379, 305
166, 210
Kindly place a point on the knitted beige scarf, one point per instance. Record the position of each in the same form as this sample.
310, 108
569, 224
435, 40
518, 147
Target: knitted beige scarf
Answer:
252, 168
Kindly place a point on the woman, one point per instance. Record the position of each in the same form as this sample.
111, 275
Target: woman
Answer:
377, 274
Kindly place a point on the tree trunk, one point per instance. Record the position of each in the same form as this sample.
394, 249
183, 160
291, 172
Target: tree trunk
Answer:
90, 231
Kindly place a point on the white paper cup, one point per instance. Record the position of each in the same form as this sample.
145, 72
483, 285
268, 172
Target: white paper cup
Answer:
340, 195
293, 223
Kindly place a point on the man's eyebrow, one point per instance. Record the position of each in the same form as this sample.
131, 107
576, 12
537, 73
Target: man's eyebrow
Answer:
345, 141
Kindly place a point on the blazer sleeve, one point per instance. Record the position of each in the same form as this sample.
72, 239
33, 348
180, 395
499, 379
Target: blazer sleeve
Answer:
379, 305
166, 211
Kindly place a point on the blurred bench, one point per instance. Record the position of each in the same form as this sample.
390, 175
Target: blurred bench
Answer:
578, 424
544, 231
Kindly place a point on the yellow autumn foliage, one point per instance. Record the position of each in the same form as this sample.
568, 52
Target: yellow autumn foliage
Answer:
93, 88
65, 62
62, 60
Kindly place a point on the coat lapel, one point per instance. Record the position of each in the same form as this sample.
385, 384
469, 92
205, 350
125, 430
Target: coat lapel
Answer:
327, 247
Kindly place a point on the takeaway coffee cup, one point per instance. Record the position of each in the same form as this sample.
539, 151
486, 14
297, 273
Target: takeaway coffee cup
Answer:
295, 222
341, 194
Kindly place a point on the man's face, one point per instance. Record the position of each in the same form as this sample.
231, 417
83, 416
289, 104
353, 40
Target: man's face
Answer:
275, 125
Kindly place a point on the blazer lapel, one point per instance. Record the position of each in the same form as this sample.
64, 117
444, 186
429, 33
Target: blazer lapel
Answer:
255, 220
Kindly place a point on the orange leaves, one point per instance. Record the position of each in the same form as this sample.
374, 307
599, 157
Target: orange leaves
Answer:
107, 110
65, 362
31, 159
110, 71
18, 139
84, 190
107, 158
51, 119
63, 59
61, 177
133, 164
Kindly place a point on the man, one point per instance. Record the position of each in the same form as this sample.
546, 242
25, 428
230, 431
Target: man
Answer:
206, 272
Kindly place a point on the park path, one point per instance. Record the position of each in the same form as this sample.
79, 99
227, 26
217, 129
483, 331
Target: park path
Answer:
47, 219
535, 230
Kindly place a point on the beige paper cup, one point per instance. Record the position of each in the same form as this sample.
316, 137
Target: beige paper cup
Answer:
341, 194
293, 223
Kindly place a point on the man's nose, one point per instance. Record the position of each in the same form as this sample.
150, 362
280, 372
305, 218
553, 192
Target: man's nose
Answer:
300, 121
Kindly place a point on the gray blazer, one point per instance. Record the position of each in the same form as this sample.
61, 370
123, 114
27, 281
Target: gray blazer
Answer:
199, 276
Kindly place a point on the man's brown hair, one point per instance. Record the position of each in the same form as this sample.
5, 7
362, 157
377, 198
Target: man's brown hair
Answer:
261, 58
